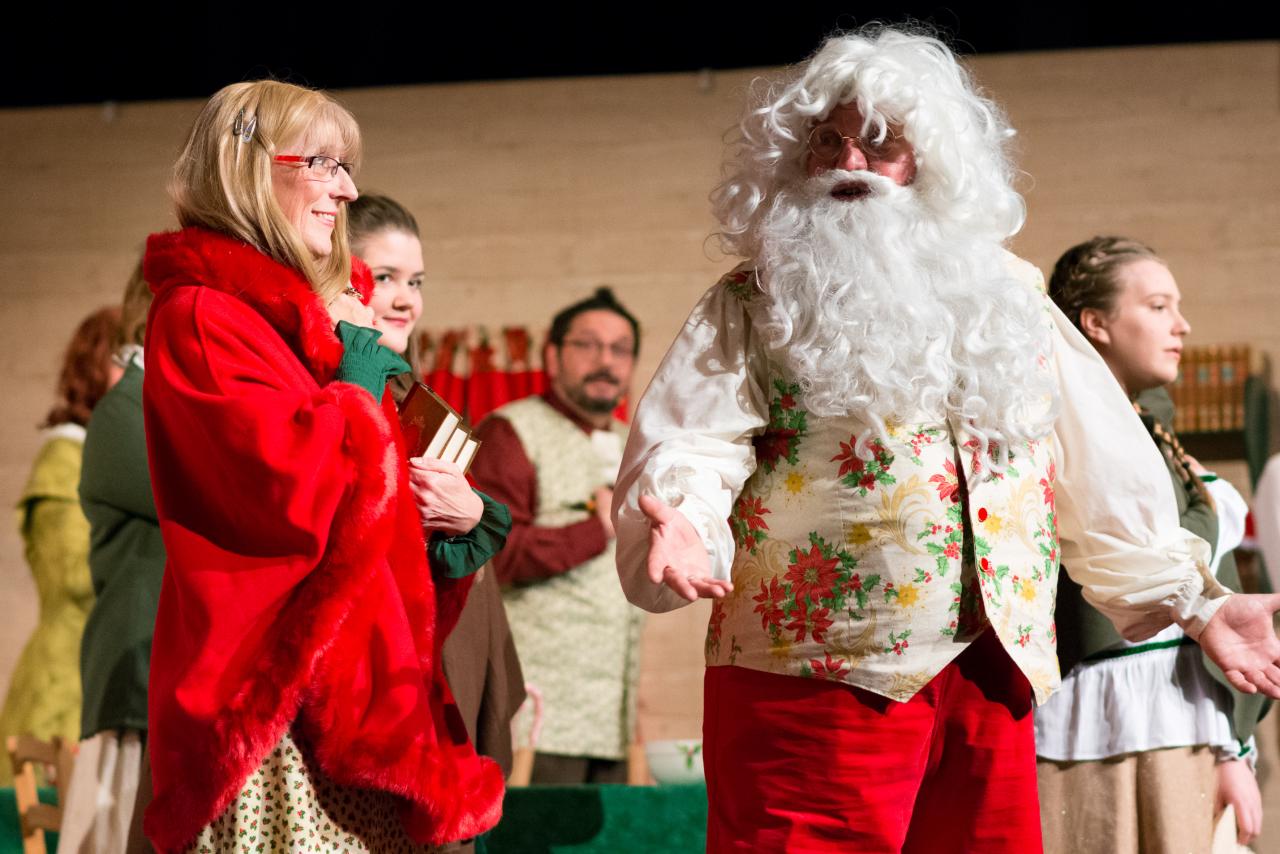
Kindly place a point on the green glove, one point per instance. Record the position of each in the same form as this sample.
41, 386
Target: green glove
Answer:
365, 362
462, 554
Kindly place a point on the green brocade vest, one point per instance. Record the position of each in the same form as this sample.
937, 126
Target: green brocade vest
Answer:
577, 636
1083, 632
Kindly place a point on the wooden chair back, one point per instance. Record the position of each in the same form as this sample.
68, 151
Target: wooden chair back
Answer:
26, 753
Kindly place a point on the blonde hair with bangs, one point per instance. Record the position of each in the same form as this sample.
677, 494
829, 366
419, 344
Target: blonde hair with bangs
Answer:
223, 183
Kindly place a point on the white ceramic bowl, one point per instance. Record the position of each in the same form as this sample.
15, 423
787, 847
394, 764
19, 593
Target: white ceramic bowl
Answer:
675, 761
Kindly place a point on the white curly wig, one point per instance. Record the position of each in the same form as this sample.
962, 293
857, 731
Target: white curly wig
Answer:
902, 303
961, 139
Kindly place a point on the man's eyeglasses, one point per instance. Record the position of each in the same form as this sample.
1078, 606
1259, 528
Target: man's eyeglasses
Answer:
318, 167
826, 143
622, 351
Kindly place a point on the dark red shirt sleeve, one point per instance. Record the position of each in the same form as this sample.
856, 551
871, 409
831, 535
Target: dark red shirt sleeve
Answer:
503, 471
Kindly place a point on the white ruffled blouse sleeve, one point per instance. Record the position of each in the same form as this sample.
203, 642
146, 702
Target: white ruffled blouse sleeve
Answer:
1118, 519
1233, 512
690, 442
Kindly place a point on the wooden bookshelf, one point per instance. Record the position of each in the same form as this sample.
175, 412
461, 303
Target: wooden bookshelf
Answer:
1221, 405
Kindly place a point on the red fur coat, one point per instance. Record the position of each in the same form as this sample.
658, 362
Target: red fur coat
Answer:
297, 588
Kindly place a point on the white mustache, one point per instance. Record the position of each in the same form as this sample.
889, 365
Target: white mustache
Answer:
821, 186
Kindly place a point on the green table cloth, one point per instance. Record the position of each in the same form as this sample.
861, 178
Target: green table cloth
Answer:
541, 820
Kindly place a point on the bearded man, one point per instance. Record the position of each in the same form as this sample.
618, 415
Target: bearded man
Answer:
553, 459
871, 445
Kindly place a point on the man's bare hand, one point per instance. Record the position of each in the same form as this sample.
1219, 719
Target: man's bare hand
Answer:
1242, 641
677, 557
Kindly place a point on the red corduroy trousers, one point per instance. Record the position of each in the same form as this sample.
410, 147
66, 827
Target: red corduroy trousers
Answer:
805, 765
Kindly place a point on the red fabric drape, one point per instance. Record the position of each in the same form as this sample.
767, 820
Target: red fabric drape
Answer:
524, 379
476, 374
444, 374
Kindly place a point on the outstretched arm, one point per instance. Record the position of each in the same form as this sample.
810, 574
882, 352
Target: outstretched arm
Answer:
1122, 540
687, 457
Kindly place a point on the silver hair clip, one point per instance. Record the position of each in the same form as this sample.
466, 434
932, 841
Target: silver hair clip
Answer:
244, 129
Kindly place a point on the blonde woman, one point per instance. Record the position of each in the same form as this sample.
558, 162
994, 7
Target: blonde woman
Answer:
296, 694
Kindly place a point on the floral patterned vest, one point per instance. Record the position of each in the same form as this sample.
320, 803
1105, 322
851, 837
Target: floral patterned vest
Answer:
878, 573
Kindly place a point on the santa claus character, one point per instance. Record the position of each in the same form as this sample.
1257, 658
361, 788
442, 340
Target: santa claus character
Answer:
868, 447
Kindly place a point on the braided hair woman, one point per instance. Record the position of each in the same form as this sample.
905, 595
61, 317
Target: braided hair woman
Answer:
1144, 743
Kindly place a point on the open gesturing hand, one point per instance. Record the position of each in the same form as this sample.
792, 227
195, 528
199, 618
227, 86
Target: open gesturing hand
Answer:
1242, 641
677, 557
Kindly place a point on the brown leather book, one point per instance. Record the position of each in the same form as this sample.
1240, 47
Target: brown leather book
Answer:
432, 428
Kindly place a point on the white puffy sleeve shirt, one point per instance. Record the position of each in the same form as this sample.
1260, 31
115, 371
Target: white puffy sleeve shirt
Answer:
690, 446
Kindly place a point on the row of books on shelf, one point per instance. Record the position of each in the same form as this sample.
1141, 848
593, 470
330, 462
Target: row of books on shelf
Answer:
1209, 392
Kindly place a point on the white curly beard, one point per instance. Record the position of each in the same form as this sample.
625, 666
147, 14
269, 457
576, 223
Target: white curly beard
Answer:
884, 311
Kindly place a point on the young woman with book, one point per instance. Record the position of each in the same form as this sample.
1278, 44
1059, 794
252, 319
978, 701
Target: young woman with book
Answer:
1144, 744
480, 658
296, 695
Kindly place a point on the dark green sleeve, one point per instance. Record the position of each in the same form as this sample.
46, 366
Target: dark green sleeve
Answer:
462, 554
1199, 518
114, 472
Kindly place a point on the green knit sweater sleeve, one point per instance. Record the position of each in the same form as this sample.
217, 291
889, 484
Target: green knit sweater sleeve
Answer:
365, 362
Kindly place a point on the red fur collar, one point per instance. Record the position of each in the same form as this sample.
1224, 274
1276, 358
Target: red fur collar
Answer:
197, 256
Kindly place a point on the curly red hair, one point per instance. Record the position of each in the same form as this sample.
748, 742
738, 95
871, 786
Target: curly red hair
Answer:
86, 368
